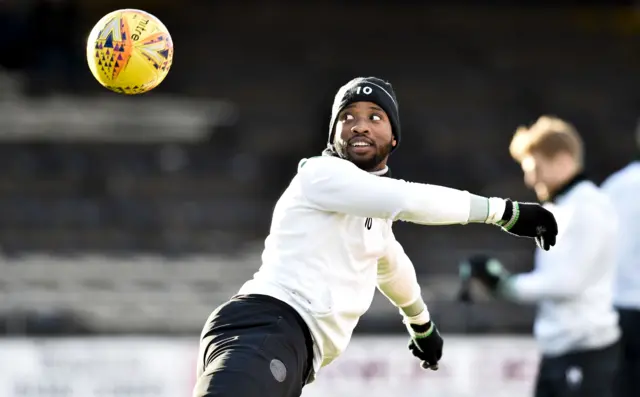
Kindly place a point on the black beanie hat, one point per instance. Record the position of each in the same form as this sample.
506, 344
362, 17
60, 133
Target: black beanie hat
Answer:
369, 89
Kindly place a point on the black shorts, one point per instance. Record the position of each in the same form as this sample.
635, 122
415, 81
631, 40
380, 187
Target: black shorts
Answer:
628, 381
254, 346
588, 373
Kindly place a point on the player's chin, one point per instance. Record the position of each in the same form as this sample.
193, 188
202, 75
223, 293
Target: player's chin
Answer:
364, 161
362, 152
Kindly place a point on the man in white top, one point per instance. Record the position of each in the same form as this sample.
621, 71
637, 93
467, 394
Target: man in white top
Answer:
576, 326
623, 188
330, 246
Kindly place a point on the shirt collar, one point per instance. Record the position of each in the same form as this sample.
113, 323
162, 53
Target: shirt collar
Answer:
580, 177
382, 172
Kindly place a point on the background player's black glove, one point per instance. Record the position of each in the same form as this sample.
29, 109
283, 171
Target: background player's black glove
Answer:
426, 344
530, 220
488, 271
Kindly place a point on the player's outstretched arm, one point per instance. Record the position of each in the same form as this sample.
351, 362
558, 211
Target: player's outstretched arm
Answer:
336, 185
398, 282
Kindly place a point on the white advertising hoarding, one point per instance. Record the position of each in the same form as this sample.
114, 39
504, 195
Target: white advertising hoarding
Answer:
165, 367
471, 367
96, 367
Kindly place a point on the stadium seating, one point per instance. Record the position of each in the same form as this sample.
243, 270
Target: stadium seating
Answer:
465, 80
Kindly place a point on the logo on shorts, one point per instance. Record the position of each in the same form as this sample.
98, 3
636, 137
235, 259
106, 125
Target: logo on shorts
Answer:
368, 223
574, 377
278, 370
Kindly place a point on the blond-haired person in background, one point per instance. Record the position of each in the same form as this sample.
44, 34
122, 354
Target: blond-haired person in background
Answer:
576, 326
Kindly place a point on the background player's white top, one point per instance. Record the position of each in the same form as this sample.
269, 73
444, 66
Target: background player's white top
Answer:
623, 188
573, 283
331, 244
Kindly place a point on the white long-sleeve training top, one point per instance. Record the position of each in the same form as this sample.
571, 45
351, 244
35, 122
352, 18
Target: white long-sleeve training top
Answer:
572, 283
331, 244
623, 188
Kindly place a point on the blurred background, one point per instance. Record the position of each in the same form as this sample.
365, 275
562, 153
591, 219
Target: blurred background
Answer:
127, 220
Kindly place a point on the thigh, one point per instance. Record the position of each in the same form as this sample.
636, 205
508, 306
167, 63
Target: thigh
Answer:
251, 348
250, 372
591, 373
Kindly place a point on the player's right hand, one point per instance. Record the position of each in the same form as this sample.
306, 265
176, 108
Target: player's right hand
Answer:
426, 344
530, 220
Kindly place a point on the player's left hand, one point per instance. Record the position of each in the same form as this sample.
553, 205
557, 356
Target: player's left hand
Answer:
489, 271
426, 344
530, 220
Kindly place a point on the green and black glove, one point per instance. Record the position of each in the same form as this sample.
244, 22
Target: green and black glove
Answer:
426, 344
530, 220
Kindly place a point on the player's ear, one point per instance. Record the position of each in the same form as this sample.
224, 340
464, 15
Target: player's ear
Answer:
394, 142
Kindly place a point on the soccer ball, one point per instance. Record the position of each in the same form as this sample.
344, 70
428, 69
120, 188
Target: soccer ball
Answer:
129, 51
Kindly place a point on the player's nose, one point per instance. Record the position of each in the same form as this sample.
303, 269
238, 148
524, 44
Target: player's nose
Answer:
360, 127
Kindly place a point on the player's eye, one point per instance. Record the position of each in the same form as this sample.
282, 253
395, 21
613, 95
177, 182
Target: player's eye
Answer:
376, 117
347, 116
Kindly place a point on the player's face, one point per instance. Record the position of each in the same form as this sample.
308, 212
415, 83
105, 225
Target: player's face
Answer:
544, 175
364, 135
